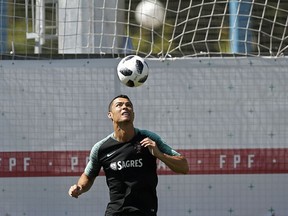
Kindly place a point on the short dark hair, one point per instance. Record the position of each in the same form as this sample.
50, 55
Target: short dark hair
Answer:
119, 96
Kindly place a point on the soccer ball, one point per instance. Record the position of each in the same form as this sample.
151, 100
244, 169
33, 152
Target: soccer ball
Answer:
133, 71
150, 13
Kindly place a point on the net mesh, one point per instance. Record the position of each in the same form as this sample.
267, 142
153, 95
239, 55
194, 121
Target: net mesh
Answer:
61, 28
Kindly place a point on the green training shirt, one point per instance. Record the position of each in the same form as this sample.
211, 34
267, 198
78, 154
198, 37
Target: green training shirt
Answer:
131, 173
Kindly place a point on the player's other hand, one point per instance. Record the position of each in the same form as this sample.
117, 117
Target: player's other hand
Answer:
75, 191
152, 146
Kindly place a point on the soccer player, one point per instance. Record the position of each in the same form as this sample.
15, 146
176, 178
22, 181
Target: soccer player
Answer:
128, 157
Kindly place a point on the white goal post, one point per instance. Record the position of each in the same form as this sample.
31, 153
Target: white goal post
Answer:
188, 28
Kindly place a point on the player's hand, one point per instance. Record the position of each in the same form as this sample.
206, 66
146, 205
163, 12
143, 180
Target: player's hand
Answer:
75, 191
152, 146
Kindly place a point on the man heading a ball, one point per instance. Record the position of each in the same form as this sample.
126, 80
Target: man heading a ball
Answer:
128, 157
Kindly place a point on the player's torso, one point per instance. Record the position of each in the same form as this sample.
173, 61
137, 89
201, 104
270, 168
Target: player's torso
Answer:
130, 170
130, 160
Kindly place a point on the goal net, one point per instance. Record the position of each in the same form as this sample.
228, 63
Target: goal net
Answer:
152, 28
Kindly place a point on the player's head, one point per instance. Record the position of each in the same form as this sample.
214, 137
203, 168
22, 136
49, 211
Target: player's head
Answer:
120, 109
118, 96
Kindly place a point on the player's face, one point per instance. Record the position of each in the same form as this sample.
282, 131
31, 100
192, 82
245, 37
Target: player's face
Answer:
121, 110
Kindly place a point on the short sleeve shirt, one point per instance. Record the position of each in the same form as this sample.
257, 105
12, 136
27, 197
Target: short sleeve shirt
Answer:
131, 173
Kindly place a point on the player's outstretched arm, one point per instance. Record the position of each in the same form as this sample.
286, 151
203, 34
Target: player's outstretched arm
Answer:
83, 185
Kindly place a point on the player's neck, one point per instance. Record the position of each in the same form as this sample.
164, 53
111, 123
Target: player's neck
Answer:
124, 134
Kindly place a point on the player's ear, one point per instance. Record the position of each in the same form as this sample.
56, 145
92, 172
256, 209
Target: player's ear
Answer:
109, 115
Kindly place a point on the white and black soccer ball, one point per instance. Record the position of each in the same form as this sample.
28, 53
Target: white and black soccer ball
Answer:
133, 71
